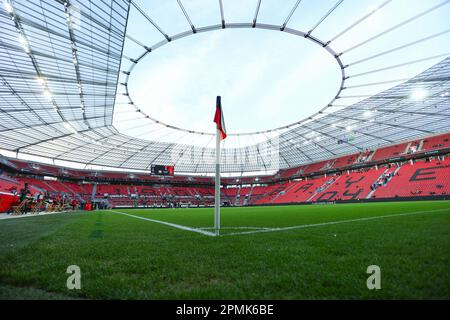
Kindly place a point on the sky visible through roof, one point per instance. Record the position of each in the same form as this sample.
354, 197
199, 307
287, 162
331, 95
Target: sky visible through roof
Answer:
268, 79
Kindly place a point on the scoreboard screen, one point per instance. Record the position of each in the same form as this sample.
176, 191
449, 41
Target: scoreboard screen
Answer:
161, 170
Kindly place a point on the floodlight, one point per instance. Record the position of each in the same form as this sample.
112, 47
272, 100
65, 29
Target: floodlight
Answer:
419, 94
367, 113
40, 80
8, 7
47, 94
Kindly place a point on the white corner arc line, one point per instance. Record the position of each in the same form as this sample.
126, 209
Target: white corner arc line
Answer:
174, 225
265, 230
235, 228
334, 222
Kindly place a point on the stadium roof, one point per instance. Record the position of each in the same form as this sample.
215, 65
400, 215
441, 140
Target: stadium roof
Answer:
64, 71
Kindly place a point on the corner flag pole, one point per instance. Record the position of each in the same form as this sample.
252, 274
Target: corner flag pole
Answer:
217, 200
220, 135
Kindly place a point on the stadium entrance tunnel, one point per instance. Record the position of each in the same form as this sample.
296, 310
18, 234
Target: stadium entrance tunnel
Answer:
267, 79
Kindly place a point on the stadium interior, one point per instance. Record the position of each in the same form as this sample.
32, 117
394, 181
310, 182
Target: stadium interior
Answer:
413, 169
329, 151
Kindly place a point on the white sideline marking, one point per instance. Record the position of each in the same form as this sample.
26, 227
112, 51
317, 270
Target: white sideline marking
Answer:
202, 230
4, 216
333, 222
174, 225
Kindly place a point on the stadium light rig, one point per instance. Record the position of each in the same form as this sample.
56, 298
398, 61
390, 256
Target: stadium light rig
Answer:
419, 95
367, 113
40, 80
8, 7
23, 42
47, 94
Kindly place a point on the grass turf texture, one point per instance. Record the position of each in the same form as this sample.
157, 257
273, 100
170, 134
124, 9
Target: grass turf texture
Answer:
122, 257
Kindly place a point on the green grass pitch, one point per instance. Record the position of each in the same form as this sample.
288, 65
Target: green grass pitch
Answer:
286, 252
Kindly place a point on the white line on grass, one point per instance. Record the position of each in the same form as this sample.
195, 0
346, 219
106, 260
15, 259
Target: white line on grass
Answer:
4, 216
202, 230
234, 228
174, 225
334, 222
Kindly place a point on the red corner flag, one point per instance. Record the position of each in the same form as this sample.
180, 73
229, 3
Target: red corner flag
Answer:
219, 120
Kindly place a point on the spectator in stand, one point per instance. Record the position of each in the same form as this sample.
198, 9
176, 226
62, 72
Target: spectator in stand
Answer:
48, 203
46, 200
23, 192
23, 196
64, 199
74, 204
